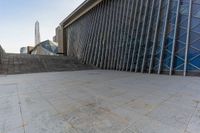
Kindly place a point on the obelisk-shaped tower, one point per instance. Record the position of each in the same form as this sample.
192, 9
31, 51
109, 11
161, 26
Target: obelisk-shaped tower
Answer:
37, 33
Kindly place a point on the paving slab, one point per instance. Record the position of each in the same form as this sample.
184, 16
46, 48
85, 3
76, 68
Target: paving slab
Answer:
99, 101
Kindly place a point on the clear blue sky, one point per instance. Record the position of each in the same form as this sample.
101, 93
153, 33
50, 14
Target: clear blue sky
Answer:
17, 19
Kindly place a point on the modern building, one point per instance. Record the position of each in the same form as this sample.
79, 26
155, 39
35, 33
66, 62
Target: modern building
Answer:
45, 48
149, 36
59, 39
26, 50
54, 39
23, 50
2, 53
37, 33
29, 49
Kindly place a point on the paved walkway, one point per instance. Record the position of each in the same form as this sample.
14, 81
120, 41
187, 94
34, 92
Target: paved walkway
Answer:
99, 101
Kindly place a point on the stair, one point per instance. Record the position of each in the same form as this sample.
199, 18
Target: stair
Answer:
23, 63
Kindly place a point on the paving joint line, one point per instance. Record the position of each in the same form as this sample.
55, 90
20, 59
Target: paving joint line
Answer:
20, 108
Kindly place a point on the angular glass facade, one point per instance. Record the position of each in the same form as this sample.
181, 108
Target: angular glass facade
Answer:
151, 36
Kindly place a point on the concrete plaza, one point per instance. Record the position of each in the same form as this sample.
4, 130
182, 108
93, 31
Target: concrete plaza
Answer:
98, 101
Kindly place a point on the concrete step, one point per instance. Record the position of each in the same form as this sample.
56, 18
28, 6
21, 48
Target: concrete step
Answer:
22, 63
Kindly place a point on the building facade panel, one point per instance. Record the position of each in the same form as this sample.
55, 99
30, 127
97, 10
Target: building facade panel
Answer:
151, 36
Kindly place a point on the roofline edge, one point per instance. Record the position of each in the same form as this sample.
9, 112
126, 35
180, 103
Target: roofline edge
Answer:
75, 15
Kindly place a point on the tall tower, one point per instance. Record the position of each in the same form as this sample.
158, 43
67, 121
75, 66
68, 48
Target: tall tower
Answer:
37, 33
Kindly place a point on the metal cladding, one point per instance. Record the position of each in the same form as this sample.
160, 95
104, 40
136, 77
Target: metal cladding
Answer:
150, 36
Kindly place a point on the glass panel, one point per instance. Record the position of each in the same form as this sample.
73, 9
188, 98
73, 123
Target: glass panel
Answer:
194, 51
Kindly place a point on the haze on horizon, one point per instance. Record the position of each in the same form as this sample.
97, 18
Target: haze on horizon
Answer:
18, 19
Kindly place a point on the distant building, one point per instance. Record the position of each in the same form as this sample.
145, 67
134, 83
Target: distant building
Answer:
29, 49
41, 48
45, 48
2, 53
23, 50
59, 39
54, 39
37, 33
26, 50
